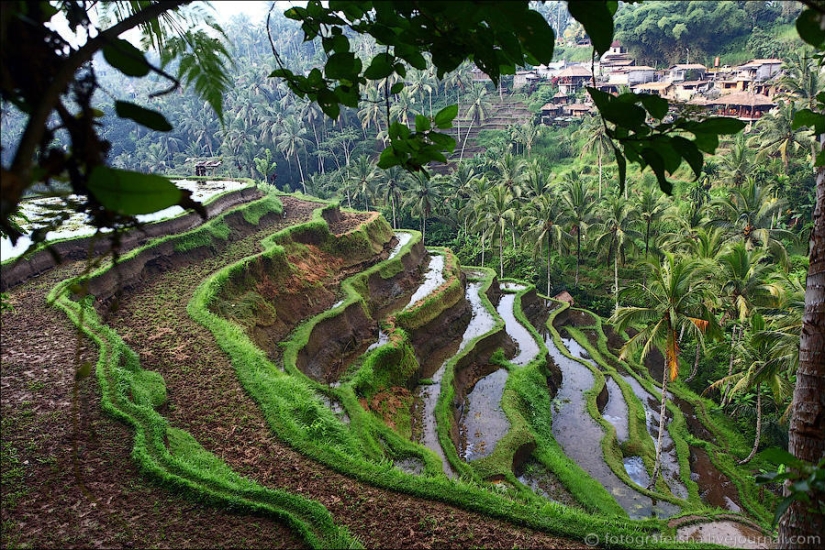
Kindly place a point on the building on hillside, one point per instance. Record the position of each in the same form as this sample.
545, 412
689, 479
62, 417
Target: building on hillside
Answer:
758, 70
688, 89
523, 78
550, 70
573, 78
477, 75
745, 106
577, 110
614, 58
206, 167
661, 89
686, 72
632, 75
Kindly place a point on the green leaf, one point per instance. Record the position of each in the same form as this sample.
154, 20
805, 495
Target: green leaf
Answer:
380, 67
781, 507
621, 162
657, 164
422, 123
809, 27
397, 87
145, 117
597, 20
132, 193
443, 141
126, 58
807, 117
719, 125
688, 150
655, 105
341, 66
776, 455
706, 142
444, 117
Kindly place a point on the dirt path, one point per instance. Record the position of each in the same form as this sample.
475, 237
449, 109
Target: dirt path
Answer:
204, 398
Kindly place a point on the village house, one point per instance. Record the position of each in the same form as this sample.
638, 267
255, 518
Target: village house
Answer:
573, 78
686, 71
632, 75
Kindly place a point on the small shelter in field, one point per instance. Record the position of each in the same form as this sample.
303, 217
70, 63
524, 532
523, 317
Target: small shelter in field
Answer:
206, 167
565, 297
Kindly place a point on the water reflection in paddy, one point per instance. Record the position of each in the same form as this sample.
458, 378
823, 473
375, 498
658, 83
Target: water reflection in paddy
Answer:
528, 349
433, 278
480, 323
669, 459
615, 411
403, 238
580, 438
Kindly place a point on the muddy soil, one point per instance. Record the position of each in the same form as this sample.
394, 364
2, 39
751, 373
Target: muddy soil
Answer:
67, 487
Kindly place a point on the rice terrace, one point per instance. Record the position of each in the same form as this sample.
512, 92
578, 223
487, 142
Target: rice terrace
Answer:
397, 274
292, 373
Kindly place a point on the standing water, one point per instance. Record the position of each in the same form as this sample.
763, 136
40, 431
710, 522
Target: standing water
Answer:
483, 422
480, 323
433, 279
580, 437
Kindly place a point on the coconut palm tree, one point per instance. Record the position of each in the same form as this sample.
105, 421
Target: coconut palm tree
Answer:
363, 173
801, 77
477, 112
617, 235
737, 163
394, 183
495, 214
762, 367
543, 223
579, 205
291, 142
596, 141
776, 135
651, 206
746, 214
674, 296
423, 199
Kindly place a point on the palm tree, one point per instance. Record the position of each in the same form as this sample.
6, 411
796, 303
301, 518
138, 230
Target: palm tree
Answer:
510, 172
651, 206
747, 215
477, 112
597, 141
776, 135
373, 110
743, 281
362, 173
424, 198
578, 205
404, 106
291, 141
761, 367
737, 164
617, 235
494, 215
543, 223
394, 183
674, 294
801, 77
526, 134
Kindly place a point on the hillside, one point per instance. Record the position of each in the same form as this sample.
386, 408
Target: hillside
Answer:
262, 381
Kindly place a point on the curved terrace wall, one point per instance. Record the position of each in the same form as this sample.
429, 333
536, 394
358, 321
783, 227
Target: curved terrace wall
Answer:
22, 269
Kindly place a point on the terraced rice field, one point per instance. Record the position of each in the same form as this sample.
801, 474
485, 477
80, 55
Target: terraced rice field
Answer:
291, 374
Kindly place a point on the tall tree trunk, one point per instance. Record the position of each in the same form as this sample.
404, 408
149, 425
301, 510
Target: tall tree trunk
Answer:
657, 461
501, 254
578, 251
394, 223
802, 527
464, 143
301, 170
695, 364
548, 266
616, 279
730, 362
600, 170
758, 425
